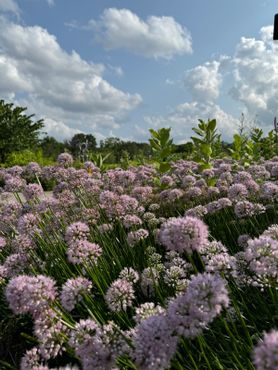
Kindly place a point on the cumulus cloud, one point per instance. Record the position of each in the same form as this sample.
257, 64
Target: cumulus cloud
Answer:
58, 85
10, 6
255, 68
157, 37
204, 81
186, 115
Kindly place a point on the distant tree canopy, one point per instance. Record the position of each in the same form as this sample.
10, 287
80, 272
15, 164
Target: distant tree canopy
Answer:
73, 145
17, 130
51, 148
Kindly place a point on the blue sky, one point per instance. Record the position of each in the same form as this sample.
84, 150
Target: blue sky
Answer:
117, 68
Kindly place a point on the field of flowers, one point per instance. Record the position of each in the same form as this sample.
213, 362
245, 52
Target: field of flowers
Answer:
134, 269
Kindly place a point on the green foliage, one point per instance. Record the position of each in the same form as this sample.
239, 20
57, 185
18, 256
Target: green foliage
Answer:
51, 148
26, 156
98, 160
243, 149
161, 145
207, 142
125, 159
17, 131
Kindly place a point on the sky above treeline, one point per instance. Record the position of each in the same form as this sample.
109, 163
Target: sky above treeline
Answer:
118, 68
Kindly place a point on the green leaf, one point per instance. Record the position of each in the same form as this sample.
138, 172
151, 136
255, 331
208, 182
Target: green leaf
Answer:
164, 167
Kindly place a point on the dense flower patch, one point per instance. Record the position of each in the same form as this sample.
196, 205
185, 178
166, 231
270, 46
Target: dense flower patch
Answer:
128, 269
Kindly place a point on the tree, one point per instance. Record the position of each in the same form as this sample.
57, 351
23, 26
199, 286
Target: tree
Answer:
51, 148
17, 130
78, 139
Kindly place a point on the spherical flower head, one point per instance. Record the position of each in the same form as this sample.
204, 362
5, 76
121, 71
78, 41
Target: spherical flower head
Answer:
198, 211
134, 237
272, 232
266, 352
247, 209
188, 181
77, 231
65, 159
167, 180
237, 192
183, 234
28, 224
32, 191
31, 359
83, 332
131, 220
194, 192
154, 343
30, 294
129, 274
261, 255
83, 251
120, 295
51, 334
14, 184
146, 310
73, 290
32, 169
204, 299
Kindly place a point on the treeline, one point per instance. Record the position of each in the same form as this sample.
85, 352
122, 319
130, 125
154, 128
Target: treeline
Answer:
21, 142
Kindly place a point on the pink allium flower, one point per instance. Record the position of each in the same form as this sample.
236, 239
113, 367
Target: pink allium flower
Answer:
154, 343
51, 333
167, 180
14, 184
198, 211
237, 192
131, 220
146, 310
32, 191
204, 299
31, 359
83, 251
261, 255
120, 295
142, 193
194, 192
129, 274
32, 169
76, 231
183, 234
134, 237
30, 294
266, 352
188, 181
248, 209
28, 224
272, 232
65, 159
269, 191
73, 291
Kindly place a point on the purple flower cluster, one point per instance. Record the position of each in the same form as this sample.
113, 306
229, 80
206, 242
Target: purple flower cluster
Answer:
183, 234
30, 294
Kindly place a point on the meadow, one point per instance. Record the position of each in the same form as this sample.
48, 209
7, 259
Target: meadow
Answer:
172, 265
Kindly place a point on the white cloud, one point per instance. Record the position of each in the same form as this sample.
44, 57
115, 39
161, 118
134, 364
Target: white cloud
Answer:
157, 37
58, 85
50, 2
186, 115
10, 6
255, 67
59, 129
204, 81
